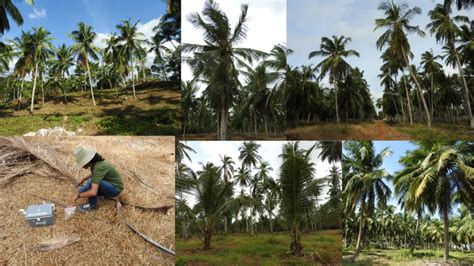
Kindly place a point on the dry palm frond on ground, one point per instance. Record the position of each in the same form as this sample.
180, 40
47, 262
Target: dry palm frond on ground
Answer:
37, 169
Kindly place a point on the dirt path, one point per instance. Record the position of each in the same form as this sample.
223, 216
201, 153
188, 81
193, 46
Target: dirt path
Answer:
384, 131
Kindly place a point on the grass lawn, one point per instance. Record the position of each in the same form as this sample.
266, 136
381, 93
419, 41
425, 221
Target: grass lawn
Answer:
402, 257
155, 111
379, 130
261, 249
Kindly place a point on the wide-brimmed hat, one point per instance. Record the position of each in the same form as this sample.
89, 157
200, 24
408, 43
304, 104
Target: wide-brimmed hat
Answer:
84, 155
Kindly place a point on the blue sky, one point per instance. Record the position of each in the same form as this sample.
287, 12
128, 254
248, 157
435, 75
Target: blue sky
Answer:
309, 20
61, 17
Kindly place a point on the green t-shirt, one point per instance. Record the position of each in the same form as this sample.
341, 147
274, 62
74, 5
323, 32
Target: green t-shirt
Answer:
104, 170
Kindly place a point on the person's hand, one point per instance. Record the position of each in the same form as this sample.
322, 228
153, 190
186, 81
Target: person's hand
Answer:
74, 199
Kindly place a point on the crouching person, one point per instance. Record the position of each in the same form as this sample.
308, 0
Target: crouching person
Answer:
104, 180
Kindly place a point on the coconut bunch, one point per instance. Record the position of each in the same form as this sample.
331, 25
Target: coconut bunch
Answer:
19, 158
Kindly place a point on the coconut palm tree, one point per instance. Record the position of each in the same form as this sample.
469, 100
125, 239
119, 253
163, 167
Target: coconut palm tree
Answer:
397, 24
430, 67
442, 176
220, 57
296, 176
85, 49
8, 9
131, 40
249, 157
365, 186
210, 191
334, 63
444, 27
330, 151
61, 64
41, 51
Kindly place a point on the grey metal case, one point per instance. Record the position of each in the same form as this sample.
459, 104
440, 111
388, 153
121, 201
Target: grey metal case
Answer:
40, 215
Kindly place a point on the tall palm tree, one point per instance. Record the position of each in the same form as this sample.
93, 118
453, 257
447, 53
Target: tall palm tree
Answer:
249, 157
443, 174
61, 64
296, 175
84, 48
334, 51
227, 171
42, 50
397, 24
131, 40
444, 27
220, 57
365, 186
8, 9
430, 67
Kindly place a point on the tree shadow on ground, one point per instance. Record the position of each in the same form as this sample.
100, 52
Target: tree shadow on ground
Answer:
136, 121
155, 99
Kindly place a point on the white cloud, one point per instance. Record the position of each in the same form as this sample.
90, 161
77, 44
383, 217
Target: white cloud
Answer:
37, 13
145, 28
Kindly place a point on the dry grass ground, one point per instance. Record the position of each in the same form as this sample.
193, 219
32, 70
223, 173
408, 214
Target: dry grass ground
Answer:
155, 111
105, 239
379, 130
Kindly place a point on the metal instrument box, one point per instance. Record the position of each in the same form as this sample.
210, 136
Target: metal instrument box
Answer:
40, 215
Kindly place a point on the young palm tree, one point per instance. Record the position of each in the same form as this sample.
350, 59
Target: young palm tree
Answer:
443, 175
296, 176
210, 191
42, 50
219, 57
365, 186
84, 48
397, 22
131, 40
444, 27
334, 51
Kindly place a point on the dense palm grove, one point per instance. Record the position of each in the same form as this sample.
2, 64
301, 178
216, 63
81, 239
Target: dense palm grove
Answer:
232, 87
426, 92
243, 197
436, 178
330, 89
41, 69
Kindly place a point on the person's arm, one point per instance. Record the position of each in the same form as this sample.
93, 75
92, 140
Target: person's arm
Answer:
83, 180
91, 192
87, 194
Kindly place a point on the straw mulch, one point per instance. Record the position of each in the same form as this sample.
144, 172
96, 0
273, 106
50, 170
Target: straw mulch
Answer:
147, 167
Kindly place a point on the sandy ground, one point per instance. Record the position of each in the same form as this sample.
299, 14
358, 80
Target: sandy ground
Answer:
105, 239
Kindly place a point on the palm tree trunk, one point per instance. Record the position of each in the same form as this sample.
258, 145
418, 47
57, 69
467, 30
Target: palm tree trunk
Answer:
34, 88
133, 81
413, 243
251, 223
270, 219
466, 91
207, 239
410, 114
225, 225
90, 81
428, 118
361, 228
431, 96
337, 105
446, 234
21, 89
42, 92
